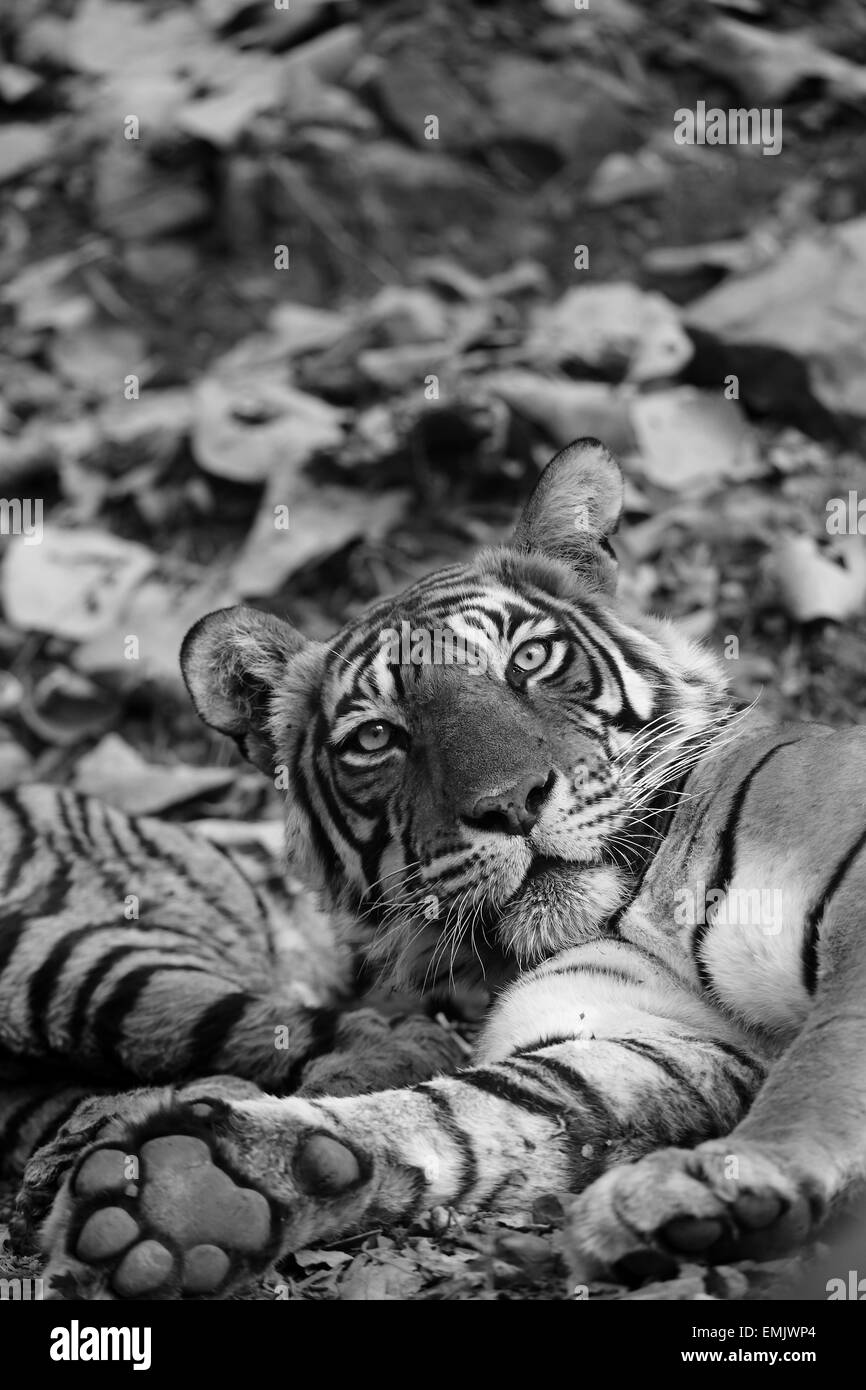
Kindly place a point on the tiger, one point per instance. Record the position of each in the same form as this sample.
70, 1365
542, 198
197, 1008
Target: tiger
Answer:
659, 891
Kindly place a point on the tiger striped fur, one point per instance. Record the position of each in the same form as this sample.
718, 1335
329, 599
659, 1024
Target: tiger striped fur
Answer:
578, 819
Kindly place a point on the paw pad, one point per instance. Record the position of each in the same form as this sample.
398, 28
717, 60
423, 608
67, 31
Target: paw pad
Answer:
691, 1235
186, 1225
106, 1233
324, 1167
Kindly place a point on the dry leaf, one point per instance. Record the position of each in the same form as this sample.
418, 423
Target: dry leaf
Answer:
116, 773
321, 520
822, 325
250, 423
74, 583
564, 409
692, 440
157, 614
813, 585
615, 328
22, 148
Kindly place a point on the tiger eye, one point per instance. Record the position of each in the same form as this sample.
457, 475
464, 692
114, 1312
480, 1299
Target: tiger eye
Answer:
373, 737
530, 657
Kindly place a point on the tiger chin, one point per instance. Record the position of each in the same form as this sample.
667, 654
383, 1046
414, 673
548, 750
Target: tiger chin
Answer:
548, 819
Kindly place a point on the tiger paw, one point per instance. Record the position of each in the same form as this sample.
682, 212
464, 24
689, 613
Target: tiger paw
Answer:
169, 1209
94, 1119
373, 1053
722, 1201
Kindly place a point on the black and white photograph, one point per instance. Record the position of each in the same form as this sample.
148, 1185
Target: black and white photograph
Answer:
433, 665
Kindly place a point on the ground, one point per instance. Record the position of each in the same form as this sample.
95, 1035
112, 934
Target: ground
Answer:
296, 303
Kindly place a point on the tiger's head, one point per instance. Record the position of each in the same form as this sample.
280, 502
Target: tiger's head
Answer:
480, 767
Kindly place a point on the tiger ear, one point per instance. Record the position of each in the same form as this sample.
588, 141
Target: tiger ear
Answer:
575, 505
234, 662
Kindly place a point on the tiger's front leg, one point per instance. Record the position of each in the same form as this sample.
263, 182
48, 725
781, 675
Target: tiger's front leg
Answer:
220, 1191
764, 1188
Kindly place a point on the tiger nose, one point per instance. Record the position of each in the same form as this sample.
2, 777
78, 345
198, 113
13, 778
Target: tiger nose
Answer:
513, 811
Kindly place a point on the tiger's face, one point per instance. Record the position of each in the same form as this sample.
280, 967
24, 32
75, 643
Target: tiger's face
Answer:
480, 766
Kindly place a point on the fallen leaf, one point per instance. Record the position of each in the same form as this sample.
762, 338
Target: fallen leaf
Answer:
116, 773
16, 764
72, 584
23, 148
135, 200
247, 424
766, 65
16, 83
614, 328
322, 1259
300, 328
382, 1280
253, 86
64, 707
159, 417
811, 584
623, 177
97, 357
783, 341
564, 409
157, 614
321, 520
692, 440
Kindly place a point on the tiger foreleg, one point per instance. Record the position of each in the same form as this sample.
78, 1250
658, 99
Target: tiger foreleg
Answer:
767, 1186
220, 1191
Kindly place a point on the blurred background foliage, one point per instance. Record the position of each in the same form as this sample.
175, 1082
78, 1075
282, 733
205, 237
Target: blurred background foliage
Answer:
324, 264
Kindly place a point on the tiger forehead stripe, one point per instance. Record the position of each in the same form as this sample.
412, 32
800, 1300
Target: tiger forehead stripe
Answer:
634, 677
491, 606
